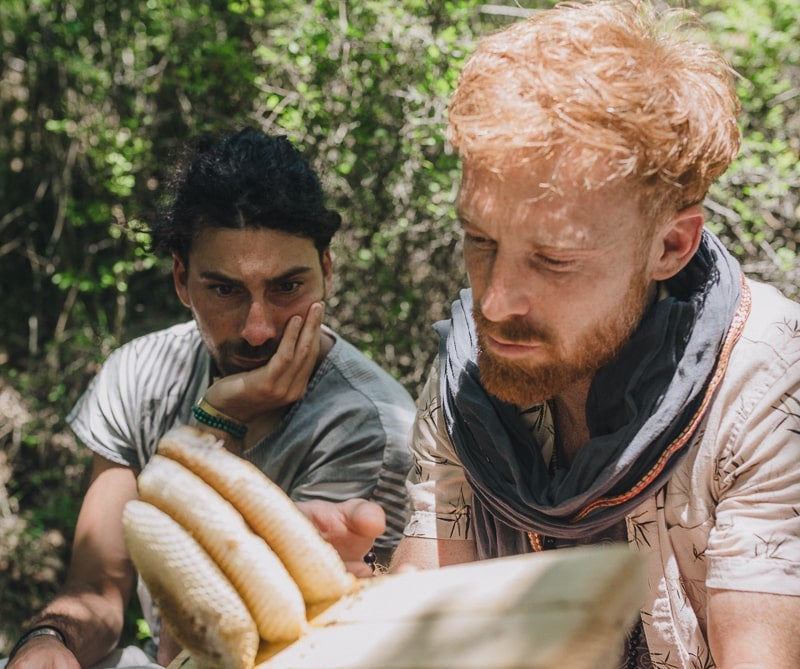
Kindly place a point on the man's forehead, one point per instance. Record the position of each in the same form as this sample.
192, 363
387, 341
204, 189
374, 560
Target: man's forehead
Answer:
273, 251
519, 195
481, 188
554, 177
222, 236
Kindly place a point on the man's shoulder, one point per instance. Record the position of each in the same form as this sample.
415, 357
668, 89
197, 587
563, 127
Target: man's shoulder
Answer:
364, 375
764, 364
774, 319
177, 335
139, 393
166, 354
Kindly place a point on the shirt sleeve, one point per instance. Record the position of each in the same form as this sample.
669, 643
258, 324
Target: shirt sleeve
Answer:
754, 543
440, 496
103, 418
144, 388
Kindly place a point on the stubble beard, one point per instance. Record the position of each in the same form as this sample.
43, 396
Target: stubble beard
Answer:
525, 383
223, 353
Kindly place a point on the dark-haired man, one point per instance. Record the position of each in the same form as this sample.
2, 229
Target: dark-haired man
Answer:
249, 234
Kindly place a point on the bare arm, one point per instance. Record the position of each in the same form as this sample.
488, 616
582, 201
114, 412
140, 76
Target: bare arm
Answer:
424, 553
753, 630
101, 576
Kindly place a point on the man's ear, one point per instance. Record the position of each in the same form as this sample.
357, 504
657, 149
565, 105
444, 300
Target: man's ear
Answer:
180, 277
327, 269
677, 242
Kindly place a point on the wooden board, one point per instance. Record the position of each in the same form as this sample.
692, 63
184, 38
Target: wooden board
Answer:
565, 609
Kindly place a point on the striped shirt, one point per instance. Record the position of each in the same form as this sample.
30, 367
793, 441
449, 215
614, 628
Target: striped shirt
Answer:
347, 437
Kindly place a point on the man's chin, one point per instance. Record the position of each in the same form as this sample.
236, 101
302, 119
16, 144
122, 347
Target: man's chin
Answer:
234, 364
520, 397
519, 386
250, 366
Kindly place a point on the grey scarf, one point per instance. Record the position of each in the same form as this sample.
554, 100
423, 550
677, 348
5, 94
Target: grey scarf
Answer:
637, 410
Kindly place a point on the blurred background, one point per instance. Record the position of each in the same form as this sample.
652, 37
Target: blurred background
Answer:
96, 97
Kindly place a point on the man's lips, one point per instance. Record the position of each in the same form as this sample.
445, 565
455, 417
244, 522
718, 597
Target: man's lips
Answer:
511, 349
248, 363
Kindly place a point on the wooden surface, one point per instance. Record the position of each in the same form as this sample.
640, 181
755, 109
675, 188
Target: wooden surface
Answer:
565, 609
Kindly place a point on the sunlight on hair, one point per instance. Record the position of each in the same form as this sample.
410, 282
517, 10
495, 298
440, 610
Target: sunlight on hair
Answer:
604, 91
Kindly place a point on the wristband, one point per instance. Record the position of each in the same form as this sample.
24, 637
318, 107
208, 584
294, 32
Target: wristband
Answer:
42, 630
207, 415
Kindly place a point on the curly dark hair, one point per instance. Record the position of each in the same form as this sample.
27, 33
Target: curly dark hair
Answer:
246, 179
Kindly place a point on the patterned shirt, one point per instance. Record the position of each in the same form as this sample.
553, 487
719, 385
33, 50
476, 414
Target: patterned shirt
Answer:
729, 517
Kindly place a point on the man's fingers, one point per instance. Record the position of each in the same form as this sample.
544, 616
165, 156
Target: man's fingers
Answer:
364, 518
359, 568
301, 335
313, 321
351, 526
285, 353
306, 350
297, 352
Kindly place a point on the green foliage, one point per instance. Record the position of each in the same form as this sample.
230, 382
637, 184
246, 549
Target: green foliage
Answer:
97, 97
759, 192
365, 87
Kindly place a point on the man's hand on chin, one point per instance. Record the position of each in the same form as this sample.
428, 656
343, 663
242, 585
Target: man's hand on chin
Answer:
281, 381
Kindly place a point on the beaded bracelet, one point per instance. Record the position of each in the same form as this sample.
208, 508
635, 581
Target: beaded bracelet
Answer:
41, 630
208, 415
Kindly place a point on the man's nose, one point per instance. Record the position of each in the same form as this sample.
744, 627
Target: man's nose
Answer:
507, 291
259, 325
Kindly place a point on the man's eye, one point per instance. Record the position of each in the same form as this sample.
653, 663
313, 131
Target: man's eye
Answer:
222, 290
553, 263
477, 241
288, 286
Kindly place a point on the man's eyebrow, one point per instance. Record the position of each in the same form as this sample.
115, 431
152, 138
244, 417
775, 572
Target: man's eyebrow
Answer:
210, 275
292, 272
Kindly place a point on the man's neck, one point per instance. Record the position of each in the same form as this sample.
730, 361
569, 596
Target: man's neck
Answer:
569, 407
569, 414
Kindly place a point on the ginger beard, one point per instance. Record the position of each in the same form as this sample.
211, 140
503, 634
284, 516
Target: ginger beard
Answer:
526, 383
